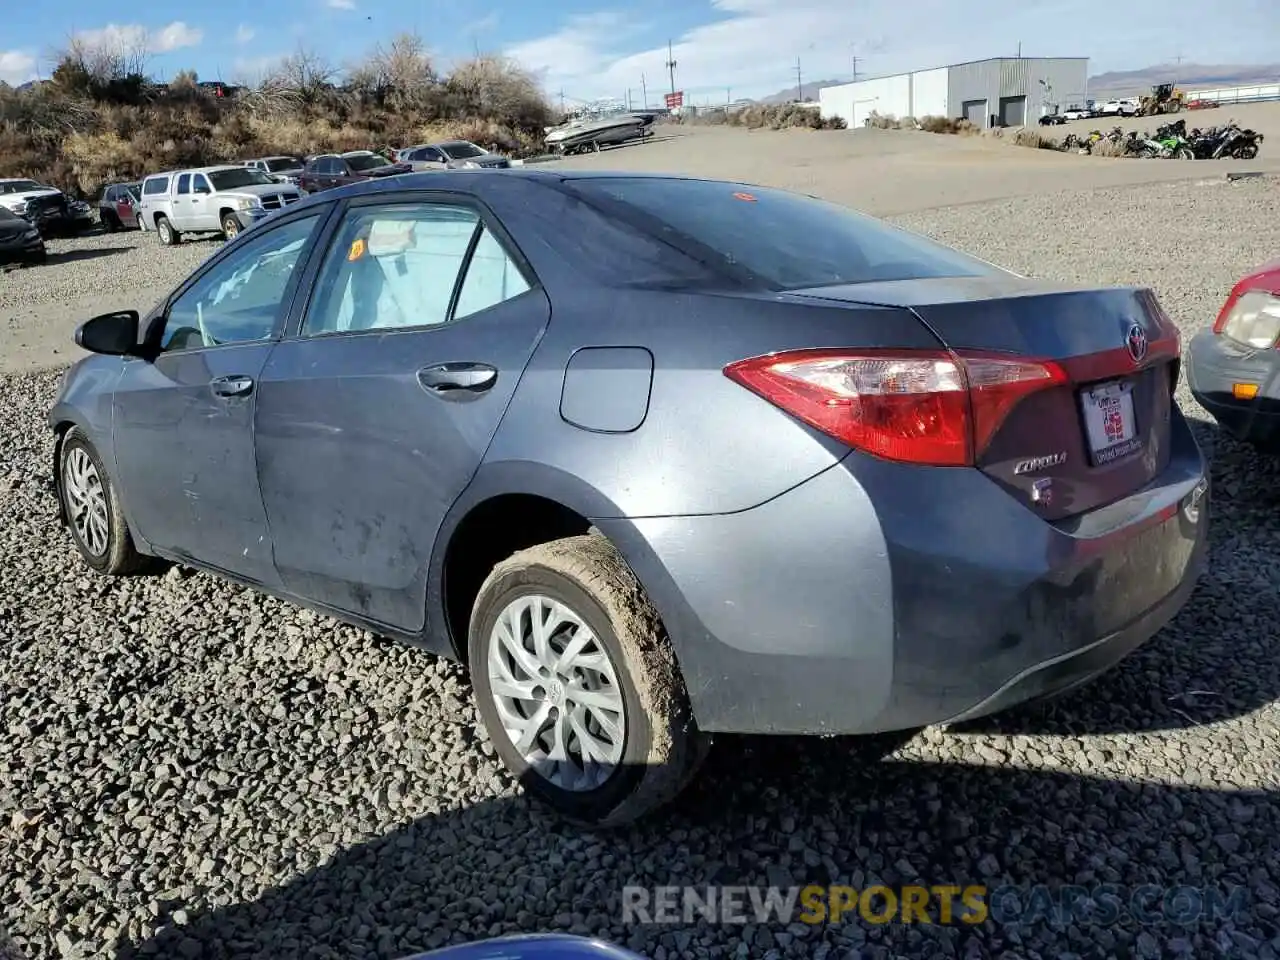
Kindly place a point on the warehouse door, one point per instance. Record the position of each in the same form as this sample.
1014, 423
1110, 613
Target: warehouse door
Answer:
1013, 111
975, 111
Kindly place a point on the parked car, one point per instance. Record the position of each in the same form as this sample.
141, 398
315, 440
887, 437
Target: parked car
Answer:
1118, 108
1233, 368
20, 241
1052, 119
340, 169
280, 169
118, 207
657, 457
1075, 112
451, 155
224, 199
51, 211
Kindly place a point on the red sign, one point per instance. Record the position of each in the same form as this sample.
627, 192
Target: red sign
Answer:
675, 100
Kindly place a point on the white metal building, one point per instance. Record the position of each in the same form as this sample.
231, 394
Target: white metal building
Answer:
1007, 92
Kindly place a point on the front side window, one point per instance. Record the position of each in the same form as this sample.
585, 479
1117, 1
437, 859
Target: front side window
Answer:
782, 239
199, 184
396, 266
239, 299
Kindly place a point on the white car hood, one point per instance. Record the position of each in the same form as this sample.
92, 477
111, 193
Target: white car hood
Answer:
12, 199
258, 190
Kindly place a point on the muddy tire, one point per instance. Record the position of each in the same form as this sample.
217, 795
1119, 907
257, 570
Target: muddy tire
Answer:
577, 685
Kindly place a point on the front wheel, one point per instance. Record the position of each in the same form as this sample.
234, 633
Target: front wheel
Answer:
577, 685
1247, 152
1185, 153
92, 508
230, 226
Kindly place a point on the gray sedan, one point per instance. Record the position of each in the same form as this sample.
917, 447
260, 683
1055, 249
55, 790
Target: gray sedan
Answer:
451, 155
655, 457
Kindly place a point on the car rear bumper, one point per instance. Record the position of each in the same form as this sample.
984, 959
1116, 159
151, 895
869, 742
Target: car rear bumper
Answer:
878, 597
1215, 365
22, 249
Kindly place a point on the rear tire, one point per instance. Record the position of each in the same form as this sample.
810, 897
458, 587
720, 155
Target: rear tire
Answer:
89, 501
1184, 153
110, 222
165, 231
629, 739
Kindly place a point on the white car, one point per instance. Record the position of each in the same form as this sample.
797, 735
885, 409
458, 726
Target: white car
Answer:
1118, 108
1077, 113
225, 199
14, 194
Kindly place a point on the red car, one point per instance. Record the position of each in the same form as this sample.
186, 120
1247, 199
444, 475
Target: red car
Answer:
339, 169
1233, 369
118, 208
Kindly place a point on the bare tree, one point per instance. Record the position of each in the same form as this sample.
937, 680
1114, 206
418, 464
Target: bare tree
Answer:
399, 75
113, 56
306, 74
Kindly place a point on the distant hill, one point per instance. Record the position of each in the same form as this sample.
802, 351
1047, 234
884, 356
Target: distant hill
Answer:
810, 91
1121, 83
1187, 75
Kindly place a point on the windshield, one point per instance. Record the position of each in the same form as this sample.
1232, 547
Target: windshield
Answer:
239, 177
276, 164
21, 186
461, 151
782, 239
365, 162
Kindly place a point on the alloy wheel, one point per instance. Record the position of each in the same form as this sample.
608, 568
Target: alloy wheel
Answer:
557, 693
86, 501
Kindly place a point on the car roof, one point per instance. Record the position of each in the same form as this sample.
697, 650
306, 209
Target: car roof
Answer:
480, 182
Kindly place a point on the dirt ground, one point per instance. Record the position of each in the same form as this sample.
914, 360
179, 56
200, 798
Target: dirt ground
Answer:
883, 172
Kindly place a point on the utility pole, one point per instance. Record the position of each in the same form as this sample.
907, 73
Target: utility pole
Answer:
628, 99
671, 66
855, 68
728, 97
562, 99
799, 83
644, 91
1019, 49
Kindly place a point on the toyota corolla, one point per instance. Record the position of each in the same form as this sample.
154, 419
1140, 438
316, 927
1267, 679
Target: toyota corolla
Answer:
655, 457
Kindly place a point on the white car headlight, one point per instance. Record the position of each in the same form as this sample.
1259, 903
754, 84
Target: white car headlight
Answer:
471, 165
1254, 320
243, 203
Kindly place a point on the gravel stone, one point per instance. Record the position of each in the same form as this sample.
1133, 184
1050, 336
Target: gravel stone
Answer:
189, 769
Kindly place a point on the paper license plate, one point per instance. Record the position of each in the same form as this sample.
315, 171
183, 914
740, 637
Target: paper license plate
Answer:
1109, 420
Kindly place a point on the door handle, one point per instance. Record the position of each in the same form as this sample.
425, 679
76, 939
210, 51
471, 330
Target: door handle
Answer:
231, 386
458, 378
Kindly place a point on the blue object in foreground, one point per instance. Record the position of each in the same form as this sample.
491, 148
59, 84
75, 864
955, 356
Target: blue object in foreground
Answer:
537, 946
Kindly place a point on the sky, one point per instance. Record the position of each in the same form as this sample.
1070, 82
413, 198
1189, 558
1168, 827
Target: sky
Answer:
585, 49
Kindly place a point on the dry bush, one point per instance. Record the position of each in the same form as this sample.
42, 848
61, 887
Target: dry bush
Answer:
100, 121
783, 116
1109, 148
1030, 137
882, 121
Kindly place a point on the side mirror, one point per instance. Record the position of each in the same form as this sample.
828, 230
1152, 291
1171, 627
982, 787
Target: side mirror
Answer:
111, 334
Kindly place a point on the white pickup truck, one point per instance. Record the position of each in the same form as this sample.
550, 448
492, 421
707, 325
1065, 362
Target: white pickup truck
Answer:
222, 200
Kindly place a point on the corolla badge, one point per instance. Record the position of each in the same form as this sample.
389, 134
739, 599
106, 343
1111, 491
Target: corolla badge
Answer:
1136, 341
1032, 464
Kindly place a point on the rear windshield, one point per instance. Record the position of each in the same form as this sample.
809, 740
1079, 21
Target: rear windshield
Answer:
461, 151
784, 240
365, 162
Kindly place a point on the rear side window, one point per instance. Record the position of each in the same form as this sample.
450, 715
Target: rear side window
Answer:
781, 239
184, 183
155, 186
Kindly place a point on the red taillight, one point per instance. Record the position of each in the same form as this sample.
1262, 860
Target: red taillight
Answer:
934, 407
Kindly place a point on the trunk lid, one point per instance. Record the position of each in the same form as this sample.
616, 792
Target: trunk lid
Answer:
1078, 445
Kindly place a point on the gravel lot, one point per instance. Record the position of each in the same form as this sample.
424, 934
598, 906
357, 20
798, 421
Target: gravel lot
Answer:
190, 770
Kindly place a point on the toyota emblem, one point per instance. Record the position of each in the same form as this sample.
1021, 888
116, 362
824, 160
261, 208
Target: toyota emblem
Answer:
1136, 341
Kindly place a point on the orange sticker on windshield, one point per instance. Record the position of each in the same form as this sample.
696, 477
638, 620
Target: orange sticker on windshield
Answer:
357, 250
744, 196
